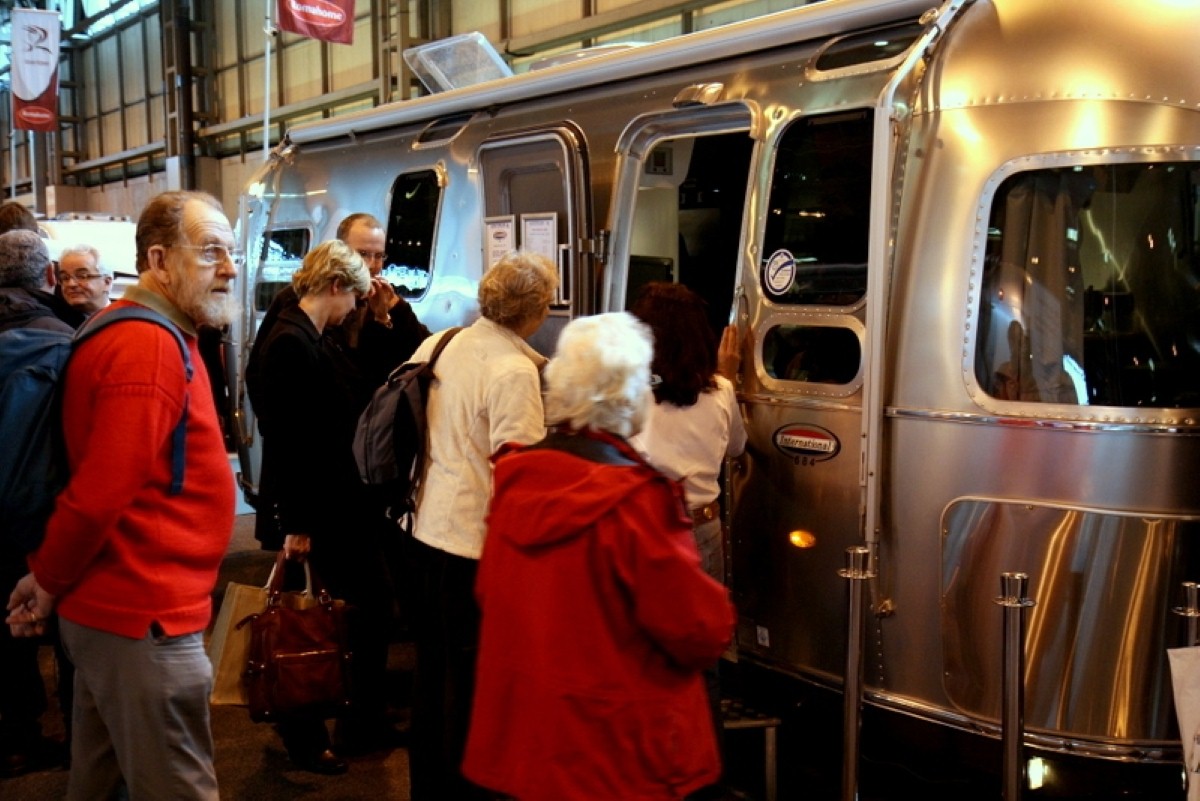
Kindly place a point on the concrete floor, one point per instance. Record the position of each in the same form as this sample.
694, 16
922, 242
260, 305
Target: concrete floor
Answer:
250, 760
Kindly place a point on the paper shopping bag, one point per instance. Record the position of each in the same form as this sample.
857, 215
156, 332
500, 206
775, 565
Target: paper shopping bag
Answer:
229, 645
1185, 676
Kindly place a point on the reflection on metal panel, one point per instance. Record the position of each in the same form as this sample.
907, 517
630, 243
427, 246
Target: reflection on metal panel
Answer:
1095, 647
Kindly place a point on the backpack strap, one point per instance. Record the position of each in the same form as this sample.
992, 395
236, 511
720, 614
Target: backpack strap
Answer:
441, 345
409, 502
103, 319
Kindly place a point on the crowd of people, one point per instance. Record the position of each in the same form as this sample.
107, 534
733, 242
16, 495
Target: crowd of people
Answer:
563, 581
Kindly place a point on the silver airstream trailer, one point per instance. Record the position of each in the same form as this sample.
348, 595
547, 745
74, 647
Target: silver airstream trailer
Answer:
963, 245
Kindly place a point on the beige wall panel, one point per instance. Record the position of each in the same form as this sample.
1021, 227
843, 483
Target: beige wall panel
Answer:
254, 41
128, 197
724, 13
110, 124
612, 5
654, 32
135, 125
87, 92
472, 15
301, 71
158, 119
533, 16
228, 93
351, 64
154, 53
133, 72
254, 87
108, 88
92, 132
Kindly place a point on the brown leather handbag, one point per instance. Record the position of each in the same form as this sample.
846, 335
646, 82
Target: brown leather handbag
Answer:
300, 658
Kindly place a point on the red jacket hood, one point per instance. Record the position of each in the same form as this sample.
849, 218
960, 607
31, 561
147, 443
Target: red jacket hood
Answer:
585, 490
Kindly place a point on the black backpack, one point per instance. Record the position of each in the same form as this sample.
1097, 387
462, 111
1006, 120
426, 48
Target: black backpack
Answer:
393, 434
33, 461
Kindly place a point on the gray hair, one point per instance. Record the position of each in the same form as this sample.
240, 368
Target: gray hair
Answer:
86, 250
517, 288
23, 260
599, 377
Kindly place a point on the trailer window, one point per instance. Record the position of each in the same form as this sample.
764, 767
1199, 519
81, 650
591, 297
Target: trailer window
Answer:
864, 48
812, 354
1091, 288
410, 227
283, 250
818, 217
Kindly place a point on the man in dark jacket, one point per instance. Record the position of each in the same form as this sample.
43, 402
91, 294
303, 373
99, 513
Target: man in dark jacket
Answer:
24, 267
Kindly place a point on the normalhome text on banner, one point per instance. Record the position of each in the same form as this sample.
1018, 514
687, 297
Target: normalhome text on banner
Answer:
327, 20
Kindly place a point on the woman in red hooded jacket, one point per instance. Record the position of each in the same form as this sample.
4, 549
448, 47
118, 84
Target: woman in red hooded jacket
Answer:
597, 618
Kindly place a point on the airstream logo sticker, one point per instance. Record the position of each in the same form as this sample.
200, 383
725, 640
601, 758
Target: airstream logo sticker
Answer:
779, 272
807, 443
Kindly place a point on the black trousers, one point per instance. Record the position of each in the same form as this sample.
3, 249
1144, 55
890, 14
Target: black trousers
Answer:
445, 627
353, 569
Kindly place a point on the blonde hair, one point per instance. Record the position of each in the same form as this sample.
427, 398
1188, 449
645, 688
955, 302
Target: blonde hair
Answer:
599, 377
517, 288
329, 262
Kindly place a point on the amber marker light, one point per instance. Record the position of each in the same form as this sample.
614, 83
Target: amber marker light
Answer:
802, 539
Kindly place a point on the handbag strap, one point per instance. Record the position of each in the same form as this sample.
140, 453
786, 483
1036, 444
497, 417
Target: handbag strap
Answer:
311, 579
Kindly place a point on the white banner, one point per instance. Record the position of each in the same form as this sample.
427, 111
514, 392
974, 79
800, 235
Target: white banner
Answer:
35, 37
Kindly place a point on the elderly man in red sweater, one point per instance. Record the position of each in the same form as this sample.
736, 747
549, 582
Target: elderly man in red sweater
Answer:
128, 561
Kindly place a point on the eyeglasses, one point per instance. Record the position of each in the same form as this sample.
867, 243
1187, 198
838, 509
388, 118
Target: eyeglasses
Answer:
79, 278
369, 256
216, 254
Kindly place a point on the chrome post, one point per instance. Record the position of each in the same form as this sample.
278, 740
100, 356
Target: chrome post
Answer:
857, 570
1191, 610
1013, 587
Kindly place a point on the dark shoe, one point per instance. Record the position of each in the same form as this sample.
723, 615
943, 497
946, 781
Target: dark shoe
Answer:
326, 763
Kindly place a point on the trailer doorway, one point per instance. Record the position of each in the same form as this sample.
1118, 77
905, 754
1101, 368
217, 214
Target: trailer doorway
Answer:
684, 197
534, 197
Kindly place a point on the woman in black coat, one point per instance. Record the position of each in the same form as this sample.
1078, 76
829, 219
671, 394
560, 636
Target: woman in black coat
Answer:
312, 503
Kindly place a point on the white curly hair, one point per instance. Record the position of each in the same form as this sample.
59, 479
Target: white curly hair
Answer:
599, 377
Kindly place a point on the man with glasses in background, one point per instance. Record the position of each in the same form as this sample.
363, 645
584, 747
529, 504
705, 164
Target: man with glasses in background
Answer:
130, 557
86, 282
383, 332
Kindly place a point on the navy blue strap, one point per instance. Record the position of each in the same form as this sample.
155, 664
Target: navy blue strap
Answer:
116, 314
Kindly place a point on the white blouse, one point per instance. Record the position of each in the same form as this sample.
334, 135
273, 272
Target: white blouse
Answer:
690, 443
488, 392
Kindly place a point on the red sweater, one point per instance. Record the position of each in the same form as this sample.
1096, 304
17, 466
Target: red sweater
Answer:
121, 553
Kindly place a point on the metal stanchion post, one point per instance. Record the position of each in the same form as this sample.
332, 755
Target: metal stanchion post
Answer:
1191, 610
1013, 587
857, 570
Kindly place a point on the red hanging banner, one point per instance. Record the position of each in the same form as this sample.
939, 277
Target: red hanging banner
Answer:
35, 36
327, 20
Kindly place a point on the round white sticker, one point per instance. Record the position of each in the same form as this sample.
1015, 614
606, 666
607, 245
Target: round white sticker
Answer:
779, 272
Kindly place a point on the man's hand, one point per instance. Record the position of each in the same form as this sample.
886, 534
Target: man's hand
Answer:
29, 606
381, 299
